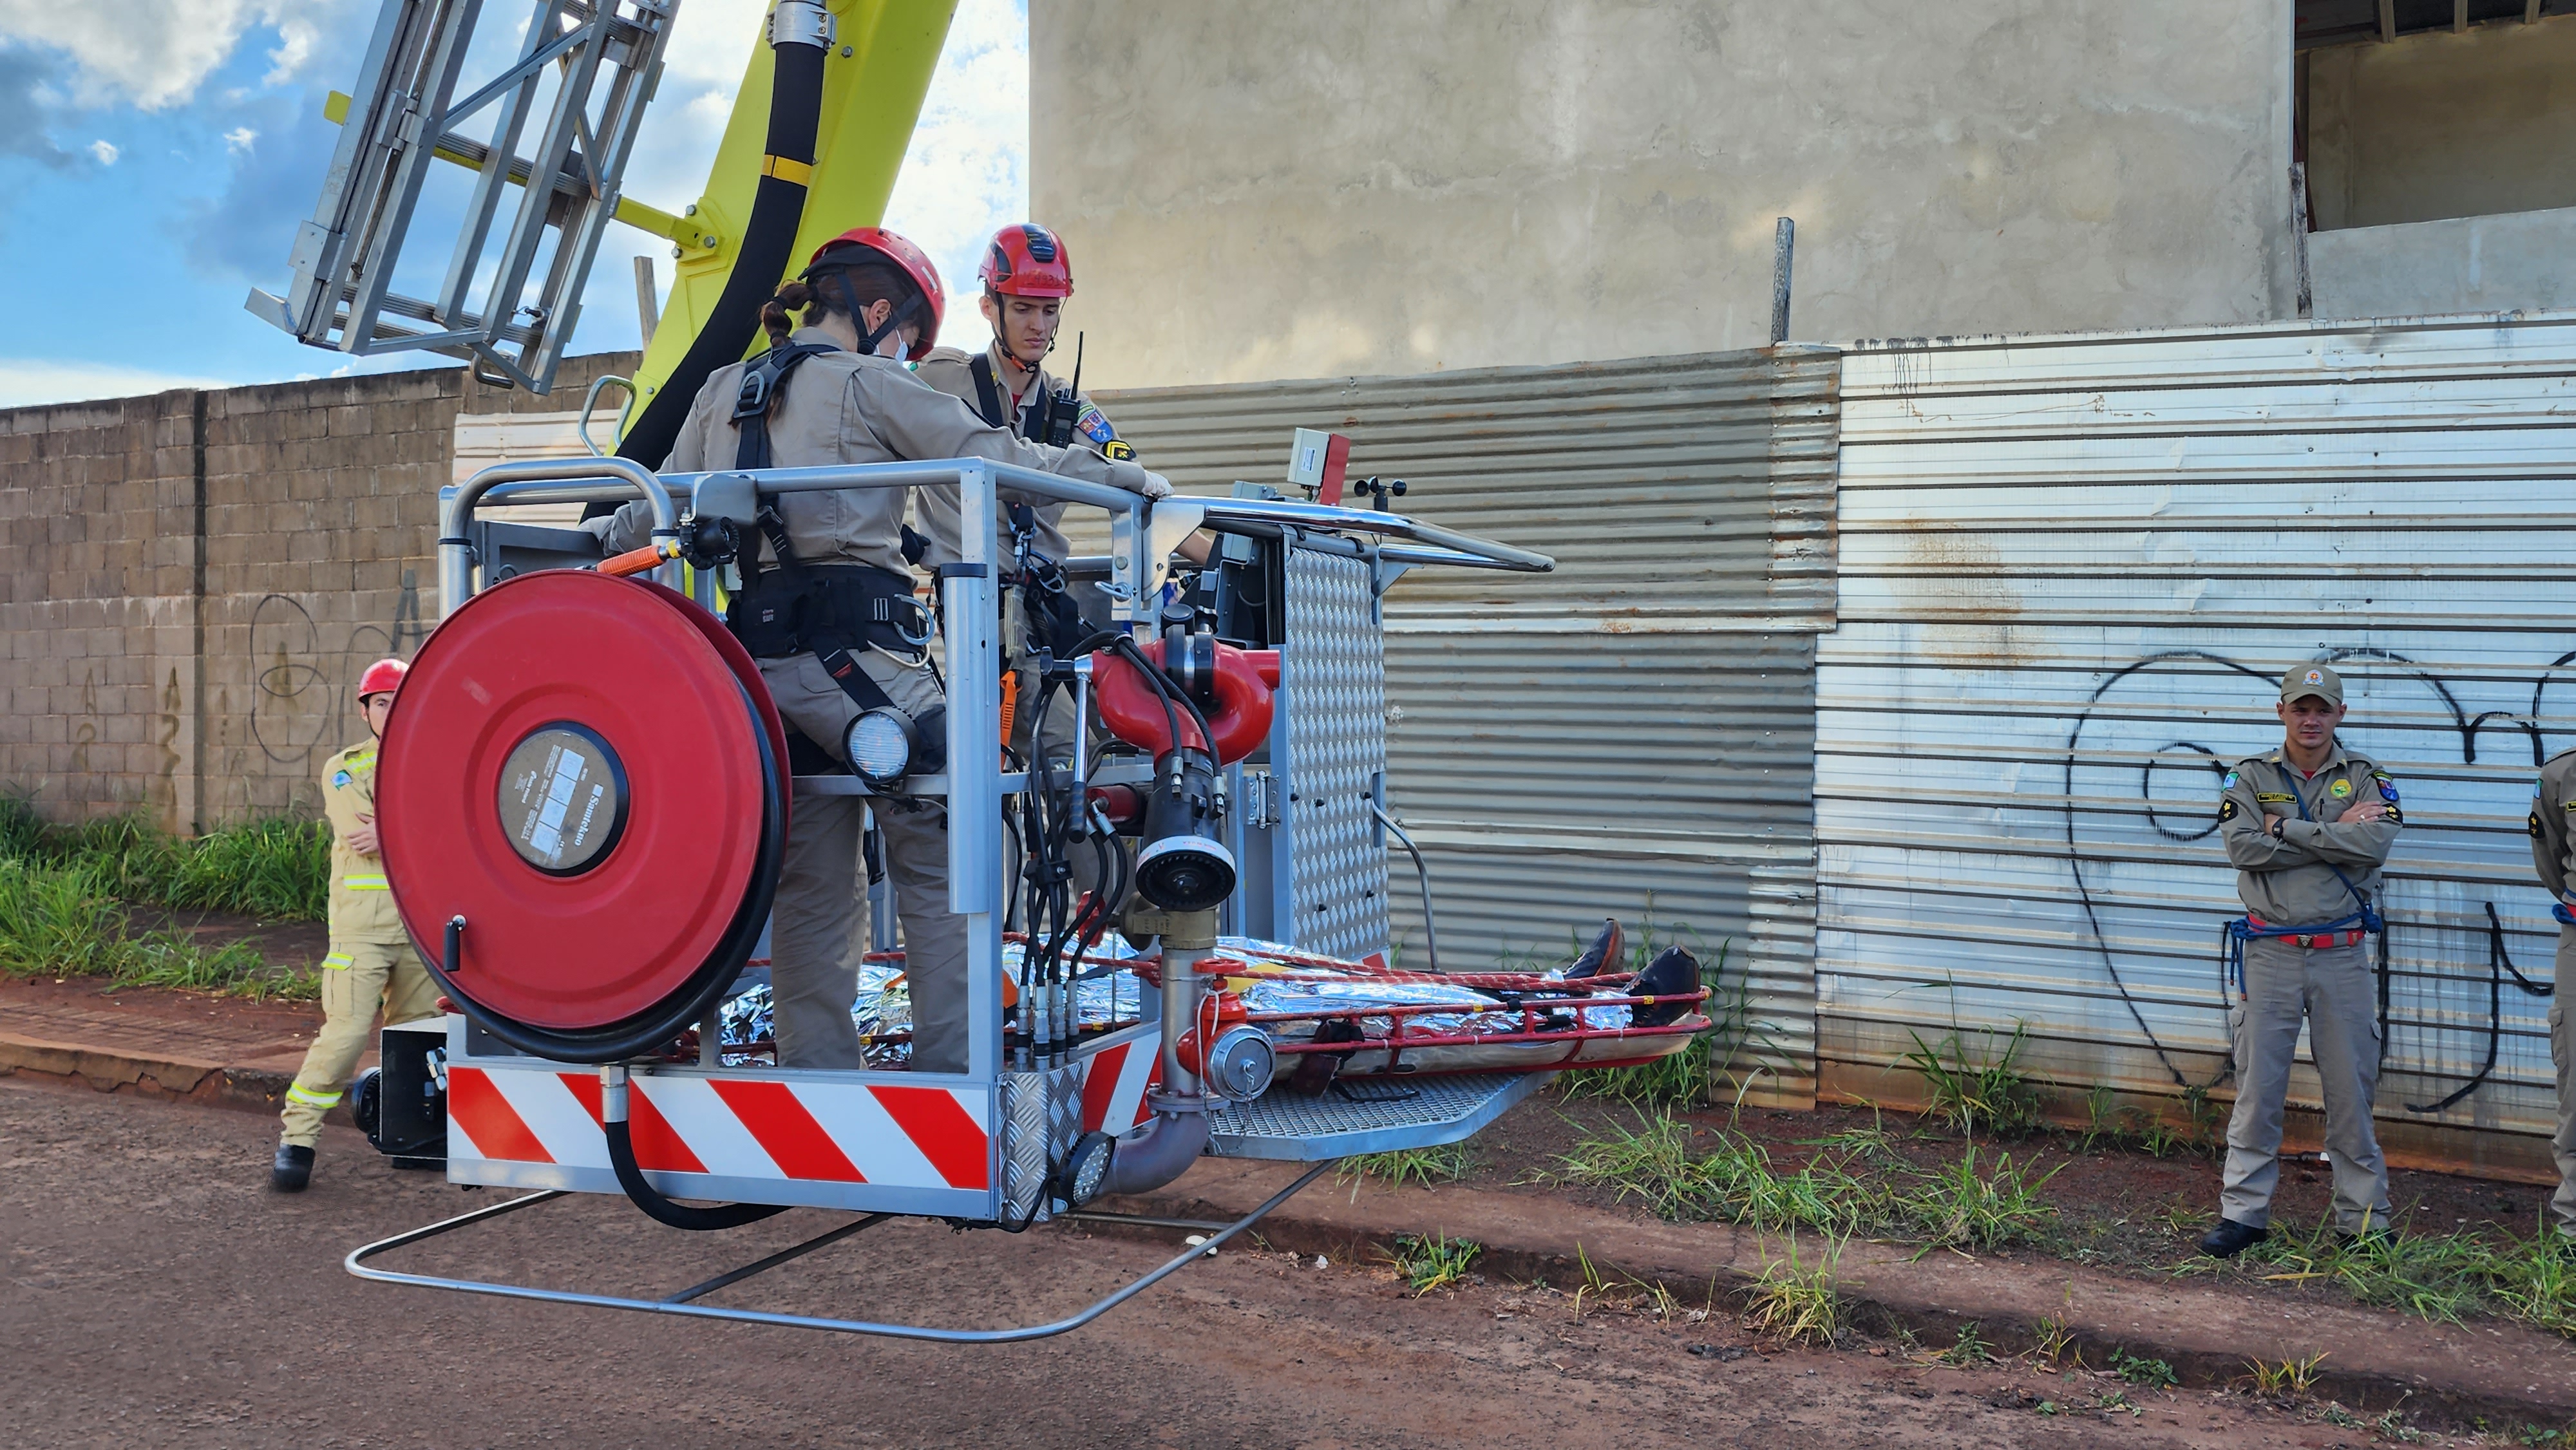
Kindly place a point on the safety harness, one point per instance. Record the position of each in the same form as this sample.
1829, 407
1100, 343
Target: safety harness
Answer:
1055, 622
826, 610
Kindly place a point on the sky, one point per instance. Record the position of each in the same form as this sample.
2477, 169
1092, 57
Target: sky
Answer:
156, 157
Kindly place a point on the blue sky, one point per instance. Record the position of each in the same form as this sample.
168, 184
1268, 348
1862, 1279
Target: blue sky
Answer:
156, 156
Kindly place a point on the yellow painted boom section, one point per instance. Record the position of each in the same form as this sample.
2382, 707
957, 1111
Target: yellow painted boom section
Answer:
873, 84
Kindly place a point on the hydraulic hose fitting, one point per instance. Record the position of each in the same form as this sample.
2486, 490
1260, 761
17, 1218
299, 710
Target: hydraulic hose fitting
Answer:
802, 22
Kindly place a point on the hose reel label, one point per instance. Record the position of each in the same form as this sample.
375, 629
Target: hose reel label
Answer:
563, 798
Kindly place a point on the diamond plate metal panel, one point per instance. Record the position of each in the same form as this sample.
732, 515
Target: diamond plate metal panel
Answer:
1041, 1116
1333, 673
1367, 1115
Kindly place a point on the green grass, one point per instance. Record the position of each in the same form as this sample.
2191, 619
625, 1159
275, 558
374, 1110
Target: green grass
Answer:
1445, 1164
1958, 1207
65, 922
1795, 1301
67, 895
273, 869
1436, 1262
1973, 1093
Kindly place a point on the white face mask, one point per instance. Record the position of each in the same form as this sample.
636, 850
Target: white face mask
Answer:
892, 345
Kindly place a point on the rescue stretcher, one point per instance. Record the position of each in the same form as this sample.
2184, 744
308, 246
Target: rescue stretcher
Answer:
587, 805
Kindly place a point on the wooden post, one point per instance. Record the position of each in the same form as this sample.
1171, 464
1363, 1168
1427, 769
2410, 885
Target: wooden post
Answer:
648, 299
2299, 234
1784, 241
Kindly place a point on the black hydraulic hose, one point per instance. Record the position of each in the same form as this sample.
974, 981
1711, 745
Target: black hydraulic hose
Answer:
760, 261
621, 1156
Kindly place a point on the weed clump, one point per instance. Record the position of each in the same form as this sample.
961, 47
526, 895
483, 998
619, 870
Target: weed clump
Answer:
1968, 1092
1436, 1262
1797, 1302
1444, 1164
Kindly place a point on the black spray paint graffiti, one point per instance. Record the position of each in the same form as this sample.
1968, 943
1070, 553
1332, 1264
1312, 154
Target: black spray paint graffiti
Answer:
2200, 757
300, 691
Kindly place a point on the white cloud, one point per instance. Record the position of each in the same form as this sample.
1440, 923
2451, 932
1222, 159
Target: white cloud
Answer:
966, 171
240, 139
156, 52
26, 382
105, 151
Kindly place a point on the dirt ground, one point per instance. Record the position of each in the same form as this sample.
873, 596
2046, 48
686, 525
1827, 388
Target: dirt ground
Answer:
157, 1295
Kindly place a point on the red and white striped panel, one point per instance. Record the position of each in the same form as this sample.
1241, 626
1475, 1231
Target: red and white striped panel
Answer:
893, 1135
1114, 1080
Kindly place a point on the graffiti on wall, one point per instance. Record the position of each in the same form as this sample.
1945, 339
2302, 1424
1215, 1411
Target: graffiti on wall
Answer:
2457, 960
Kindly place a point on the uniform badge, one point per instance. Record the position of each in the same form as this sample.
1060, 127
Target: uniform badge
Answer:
340, 780
2340, 789
2229, 783
2387, 790
2535, 825
2227, 808
1093, 426
2312, 677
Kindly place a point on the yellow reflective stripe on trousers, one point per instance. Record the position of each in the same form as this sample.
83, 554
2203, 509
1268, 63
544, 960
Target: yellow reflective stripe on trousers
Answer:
363, 883
296, 1092
338, 962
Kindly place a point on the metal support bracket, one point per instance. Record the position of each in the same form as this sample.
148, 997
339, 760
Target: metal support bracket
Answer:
683, 1303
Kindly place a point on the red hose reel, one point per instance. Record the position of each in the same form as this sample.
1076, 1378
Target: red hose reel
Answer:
588, 771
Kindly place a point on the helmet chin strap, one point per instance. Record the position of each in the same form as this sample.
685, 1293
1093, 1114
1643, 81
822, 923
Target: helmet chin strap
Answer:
870, 337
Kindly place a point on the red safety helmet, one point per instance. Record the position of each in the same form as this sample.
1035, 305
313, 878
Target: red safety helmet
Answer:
876, 244
382, 678
1026, 260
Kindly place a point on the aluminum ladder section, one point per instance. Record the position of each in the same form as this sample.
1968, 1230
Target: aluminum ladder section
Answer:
497, 307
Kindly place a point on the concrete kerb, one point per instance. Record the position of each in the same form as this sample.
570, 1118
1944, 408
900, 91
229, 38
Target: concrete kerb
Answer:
2207, 1332
143, 1075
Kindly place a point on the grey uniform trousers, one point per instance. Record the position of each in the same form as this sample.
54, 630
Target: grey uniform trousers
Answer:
818, 918
2333, 989
2562, 1054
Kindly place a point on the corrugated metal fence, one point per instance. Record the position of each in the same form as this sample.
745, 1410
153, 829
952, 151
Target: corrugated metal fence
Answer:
2072, 571
1631, 735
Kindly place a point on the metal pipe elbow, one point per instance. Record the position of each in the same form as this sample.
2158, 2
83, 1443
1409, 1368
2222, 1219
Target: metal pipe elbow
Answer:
1160, 1151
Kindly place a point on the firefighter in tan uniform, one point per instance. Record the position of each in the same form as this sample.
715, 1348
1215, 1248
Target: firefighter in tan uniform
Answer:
2553, 797
2308, 828
1027, 277
828, 611
371, 958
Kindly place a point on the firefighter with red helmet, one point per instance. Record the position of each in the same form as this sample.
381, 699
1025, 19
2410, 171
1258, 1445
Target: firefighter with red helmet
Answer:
371, 961
828, 610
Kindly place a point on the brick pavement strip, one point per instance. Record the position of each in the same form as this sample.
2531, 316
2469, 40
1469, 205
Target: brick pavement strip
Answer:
155, 1044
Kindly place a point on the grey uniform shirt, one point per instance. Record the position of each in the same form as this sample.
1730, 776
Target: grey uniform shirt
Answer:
951, 371
847, 407
2291, 880
2553, 796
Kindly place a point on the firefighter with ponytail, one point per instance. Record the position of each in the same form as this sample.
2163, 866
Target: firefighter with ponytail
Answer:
828, 611
371, 958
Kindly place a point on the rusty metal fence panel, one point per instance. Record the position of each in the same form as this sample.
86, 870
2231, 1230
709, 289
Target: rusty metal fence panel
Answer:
1632, 734
2073, 570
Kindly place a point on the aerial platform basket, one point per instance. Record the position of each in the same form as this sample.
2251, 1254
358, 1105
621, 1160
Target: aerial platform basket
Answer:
577, 733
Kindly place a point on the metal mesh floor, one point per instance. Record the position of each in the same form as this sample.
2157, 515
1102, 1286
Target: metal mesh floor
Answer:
1367, 1116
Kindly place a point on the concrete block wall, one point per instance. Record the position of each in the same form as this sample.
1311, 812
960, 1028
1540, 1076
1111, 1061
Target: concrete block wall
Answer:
191, 582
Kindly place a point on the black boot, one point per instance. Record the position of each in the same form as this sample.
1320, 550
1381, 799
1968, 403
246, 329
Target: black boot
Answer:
292, 1170
1673, 972
2231, 1238
1603, 955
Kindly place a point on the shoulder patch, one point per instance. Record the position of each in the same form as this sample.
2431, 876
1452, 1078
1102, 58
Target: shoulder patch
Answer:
2227, 808
340, 780
2387, 788
1093, 425
2230, 783
2535, 825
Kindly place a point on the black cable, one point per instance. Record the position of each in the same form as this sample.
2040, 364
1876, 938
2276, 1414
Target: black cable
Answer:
621, 1158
